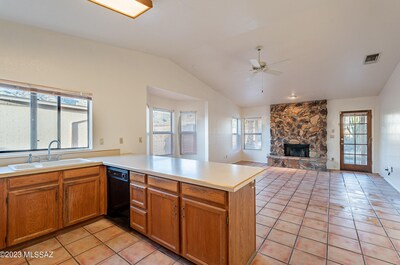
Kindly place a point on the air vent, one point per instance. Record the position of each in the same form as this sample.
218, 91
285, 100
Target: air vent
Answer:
372, 58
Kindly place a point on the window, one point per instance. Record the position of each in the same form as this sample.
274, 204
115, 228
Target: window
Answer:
187, 131
31, 119
253, 134
235, 133
162, 132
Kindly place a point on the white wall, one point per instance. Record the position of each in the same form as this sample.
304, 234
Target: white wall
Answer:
258, 155
118, 79
333, 142
184, 105
390, 128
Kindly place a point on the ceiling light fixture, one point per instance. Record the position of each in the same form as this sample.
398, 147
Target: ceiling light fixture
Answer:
130, 8
293, 96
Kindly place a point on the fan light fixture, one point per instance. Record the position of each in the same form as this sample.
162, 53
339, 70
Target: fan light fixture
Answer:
130, 8
293, 96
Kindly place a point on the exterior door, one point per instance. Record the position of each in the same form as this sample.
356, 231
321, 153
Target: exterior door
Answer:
356, 141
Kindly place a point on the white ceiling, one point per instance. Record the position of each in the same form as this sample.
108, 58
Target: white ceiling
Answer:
325, 40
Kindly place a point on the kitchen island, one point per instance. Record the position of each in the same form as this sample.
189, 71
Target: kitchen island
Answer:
203, 211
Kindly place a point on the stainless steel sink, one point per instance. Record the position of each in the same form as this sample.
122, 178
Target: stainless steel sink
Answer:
46, 164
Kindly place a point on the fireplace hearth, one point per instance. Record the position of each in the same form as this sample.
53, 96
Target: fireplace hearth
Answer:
297, 150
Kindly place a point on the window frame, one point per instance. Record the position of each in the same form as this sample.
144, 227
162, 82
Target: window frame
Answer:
33, 108
194, 133
171, 133
251, 134
237, 134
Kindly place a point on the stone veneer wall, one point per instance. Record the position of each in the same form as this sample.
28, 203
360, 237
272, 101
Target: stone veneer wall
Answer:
300, 123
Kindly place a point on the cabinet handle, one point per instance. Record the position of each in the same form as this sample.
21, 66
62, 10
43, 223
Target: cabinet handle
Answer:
175, 211
252, 185
183, 212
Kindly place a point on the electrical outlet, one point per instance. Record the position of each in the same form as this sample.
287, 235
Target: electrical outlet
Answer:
140, 140
121, 140
101, 141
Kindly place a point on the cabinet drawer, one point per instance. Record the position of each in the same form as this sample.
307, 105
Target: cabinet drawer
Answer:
81, 172
31, 180
136, 176
207, 194
138, 195
166, 184
139, 220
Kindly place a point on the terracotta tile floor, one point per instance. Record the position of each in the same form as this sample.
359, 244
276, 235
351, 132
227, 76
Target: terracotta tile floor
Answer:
101, 242
303, 217
309, 217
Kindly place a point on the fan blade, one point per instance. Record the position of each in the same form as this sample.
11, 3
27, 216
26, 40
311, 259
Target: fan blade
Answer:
255, 63
273, 72
279, 62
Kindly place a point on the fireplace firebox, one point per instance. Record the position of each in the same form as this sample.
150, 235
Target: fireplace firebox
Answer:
299, 150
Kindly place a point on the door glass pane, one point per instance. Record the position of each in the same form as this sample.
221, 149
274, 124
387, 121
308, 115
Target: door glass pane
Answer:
74, 123
361, 139
349, 159
361, 128
46, 120
14, 119
349, 129
361, 160
349, 139
348, 149
361, 149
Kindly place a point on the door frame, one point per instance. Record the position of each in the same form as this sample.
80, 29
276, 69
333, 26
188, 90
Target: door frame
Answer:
360, 168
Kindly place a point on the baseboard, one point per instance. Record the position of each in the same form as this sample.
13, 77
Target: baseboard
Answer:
391, 184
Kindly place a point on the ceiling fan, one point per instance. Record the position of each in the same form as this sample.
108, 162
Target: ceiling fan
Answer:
259, 66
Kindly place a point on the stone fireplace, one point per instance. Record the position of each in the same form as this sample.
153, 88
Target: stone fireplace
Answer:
298, 135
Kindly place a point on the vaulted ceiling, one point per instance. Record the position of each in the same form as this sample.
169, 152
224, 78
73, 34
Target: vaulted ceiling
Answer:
323, 42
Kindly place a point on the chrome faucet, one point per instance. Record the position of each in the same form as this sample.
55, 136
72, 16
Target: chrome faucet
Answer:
49, 148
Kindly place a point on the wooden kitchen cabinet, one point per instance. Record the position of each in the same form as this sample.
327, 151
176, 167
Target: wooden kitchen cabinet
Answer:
204, 232
163, 218
81, 195
33, 207
3, 213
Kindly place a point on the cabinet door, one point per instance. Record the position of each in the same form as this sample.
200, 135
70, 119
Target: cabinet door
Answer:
163, 219
32, 213
3, 214
81, 200
139, 220
204, 233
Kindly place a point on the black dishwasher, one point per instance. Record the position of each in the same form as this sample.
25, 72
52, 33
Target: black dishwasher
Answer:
118, 195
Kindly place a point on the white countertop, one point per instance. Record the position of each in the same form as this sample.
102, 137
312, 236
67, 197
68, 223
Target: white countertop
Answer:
220, 176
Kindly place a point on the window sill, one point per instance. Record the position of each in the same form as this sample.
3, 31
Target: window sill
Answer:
44, 152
